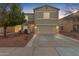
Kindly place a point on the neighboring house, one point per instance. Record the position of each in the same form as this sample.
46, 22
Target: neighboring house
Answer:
44, 19
11, 29
70, 23
29, 17
30, 22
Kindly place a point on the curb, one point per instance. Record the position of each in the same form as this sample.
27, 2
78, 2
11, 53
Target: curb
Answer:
31, 41
72, 38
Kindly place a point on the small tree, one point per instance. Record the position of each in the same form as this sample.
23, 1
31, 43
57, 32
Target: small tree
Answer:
12, 15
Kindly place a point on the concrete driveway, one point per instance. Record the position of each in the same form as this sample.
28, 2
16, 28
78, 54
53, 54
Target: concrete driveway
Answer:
45, 45
54, 45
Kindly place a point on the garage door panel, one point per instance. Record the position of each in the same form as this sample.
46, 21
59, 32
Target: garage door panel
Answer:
47, 29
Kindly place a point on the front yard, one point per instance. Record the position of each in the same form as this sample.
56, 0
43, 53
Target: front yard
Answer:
15, 40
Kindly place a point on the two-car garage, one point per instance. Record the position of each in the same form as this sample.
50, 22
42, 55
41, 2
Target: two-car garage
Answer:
47, 29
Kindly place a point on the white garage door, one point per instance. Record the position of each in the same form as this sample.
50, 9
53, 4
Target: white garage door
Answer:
47, 29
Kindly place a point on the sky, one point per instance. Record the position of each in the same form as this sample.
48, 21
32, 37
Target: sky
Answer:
28, 7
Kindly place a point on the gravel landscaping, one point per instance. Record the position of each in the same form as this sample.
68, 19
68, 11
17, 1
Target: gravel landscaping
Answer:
74, 35
15, 40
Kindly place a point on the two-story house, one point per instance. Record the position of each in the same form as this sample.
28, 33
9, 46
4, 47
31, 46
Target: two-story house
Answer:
70, 23
46, 19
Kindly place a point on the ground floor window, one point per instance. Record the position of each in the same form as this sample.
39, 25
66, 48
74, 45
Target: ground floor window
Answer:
76, 28
61, 28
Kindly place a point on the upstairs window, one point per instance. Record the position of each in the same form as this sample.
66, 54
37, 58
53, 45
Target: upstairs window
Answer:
46, 15
26, 17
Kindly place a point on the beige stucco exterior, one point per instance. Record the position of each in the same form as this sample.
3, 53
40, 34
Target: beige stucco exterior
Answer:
68, 23
67, 26
47, 24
